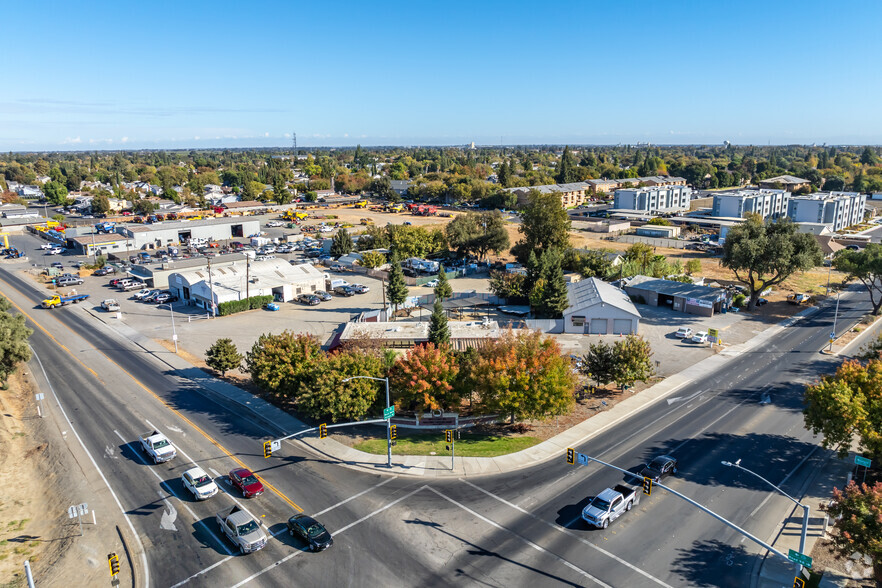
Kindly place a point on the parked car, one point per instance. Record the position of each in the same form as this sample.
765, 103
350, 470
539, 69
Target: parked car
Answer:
199, 483
68, 281
57, 264
47, 246
337, 268
344, 291
309, 299
700, 337
271, 306
310, 531
360, 288
55, 251
683, 333
431, 284
151, 295
164, 298
110, 305
246, 482
104, 271
140, 294
761, 301
117, 281
660, 467
322, 295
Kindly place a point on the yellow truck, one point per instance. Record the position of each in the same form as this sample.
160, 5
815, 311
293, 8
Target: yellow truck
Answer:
291, 215
63, 300
394, 208
361, 204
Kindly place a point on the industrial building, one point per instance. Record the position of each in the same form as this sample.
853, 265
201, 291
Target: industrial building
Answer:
688, 298
653, 199
658, 231
764, 202
209, 284
406, 334
836, 210
599, 308
159, 235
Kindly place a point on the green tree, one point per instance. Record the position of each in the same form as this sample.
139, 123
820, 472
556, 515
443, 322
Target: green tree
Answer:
443, 289
223, 356
396, 289
659, 221
280, 364
372, 259
599, 363
847, 406
100, 204
58, 217
857, 516
868, 156
566, 171
633, 360
858, 184
14, 335
341, 244
439, 332
865, 266
478, 233
764, 254
512, 287
693, 266
588, 264
544, 224
548, 296
424, 379
55, 192
524, 376
504, 175
143, 206
325, 394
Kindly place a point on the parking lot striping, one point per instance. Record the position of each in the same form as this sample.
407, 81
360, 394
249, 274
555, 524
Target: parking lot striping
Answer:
164, 403
100, 473
46, 332
538, 548
172, 492
569, 533
354, 496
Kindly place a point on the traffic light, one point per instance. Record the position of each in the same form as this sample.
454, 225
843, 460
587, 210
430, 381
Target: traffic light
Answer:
113, 562
267, 449
323, 431
448, 435
647, 486
798, 582
571, 456
393, 432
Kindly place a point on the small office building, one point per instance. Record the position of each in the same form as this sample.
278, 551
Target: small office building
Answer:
599, 308
688, 298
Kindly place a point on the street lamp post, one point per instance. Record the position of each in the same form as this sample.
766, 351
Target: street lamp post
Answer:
835, 316
805, 507
388, 421
174, 332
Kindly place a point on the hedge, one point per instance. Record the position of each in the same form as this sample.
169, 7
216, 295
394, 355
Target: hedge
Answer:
233, 306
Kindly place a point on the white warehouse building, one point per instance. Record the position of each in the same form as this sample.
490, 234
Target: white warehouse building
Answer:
159, 235
836, 210
767, 203
653, 199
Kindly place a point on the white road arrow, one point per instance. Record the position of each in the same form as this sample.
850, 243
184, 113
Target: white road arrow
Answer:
168, 516
109, 452
175, 429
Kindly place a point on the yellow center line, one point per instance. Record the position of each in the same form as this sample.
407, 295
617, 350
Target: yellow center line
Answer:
208, 437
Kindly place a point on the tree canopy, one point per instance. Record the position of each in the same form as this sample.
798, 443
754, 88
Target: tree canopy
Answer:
857, 516
14, 335
544, 224
865, 266
478, 233
424, 378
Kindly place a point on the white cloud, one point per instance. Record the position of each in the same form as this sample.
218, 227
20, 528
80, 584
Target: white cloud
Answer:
266, 134
287, 135
73, 140
124, 140
345, 134
196, 138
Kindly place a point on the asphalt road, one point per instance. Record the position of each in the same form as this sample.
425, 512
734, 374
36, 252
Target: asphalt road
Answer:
515, 529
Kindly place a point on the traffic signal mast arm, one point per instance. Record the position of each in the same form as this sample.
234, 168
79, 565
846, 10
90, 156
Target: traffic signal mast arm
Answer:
690, 501
335, 426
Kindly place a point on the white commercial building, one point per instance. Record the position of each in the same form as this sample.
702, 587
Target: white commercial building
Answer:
836, 210
653, 199
599, 308
764, 202
238, 281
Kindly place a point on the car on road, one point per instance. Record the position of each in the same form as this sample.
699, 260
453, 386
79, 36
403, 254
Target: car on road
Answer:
140, 294
199, 483
344, 291
683, 333
360, 288
324, 296
310, 531
700, 337
66, 281
246, 482
660, 467
309, 299
241, 528
165, 298
610, 505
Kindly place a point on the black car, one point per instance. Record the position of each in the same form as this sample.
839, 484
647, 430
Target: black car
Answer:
344, 291
309, 299
660, 467
322, 295
312, 532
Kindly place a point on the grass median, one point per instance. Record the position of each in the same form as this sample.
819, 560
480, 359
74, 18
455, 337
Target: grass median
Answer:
469, 445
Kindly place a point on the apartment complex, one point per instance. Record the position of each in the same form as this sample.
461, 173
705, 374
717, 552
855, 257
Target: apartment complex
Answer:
837, 210
764, 202
571, 195
607, 186
653, 199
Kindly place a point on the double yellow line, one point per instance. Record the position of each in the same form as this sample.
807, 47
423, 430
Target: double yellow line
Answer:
208, 437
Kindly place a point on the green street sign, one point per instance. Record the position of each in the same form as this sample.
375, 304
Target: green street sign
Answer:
862, 461
389, 412
799, 558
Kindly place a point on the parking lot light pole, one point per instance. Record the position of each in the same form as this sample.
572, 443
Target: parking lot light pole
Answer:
388, 421
174, 332
805, 507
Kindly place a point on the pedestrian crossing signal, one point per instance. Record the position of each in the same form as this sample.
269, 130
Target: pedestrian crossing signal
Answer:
323, 431
571, 456
647, 486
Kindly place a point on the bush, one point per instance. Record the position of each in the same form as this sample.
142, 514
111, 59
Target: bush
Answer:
738, 300
234, 306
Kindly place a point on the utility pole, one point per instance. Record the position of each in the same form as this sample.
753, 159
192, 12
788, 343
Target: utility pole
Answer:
174, 332
247, 276
294, 139
211, 288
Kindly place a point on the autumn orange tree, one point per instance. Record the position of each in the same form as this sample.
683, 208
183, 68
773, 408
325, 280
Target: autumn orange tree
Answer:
523, 376
857, 515
424, 378
848, 405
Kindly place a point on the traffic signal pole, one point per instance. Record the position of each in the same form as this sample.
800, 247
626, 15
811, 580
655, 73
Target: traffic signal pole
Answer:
726, 522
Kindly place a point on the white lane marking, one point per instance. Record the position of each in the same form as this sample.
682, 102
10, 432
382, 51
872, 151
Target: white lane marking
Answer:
349, 526
782, 482
190, 459
354, 496
684, 398
569, 533
214, 472
203, 571
523, 539
172, 492
100, 473
168, 516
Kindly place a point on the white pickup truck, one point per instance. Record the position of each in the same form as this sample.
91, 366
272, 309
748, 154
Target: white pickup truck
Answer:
241, 528
610, 505
157, 446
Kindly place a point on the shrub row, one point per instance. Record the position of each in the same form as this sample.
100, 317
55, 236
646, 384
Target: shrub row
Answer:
233, 306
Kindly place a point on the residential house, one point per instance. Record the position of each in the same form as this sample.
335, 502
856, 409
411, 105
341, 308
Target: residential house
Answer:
785, 182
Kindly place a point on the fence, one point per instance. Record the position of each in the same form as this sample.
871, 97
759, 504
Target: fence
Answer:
546, 325
447, 420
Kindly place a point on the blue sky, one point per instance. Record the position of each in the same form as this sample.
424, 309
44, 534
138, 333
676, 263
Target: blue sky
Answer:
103, 75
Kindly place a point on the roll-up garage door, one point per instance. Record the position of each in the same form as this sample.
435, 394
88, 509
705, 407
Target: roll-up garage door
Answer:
622, 327
598, 326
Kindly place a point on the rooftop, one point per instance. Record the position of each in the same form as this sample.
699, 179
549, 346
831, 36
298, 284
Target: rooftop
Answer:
593, 291
245, 204
826, 196
269, 274
185, 224
785, 179
672, 288
467, 333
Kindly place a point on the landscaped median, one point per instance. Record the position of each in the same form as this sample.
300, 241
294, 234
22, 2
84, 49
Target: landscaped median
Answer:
468, 445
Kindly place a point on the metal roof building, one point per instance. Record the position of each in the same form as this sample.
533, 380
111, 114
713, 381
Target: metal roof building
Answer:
599, 308
688, 298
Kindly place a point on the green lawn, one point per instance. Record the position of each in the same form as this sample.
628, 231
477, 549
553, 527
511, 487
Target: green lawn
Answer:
468, 446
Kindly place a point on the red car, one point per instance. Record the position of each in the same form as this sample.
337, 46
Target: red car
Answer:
246, 482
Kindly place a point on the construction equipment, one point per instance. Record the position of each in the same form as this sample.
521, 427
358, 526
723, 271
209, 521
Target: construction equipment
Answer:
292, 215
361, 204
